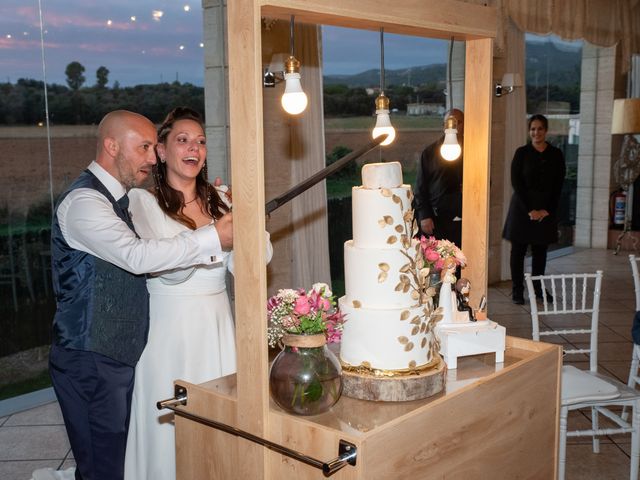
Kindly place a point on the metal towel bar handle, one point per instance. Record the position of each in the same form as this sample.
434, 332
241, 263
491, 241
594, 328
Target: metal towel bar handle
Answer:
347, 452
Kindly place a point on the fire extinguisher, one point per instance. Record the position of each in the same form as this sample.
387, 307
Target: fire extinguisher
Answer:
619, 207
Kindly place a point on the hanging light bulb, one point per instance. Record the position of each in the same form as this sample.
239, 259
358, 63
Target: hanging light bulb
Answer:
450, 148
294, 100
383, 122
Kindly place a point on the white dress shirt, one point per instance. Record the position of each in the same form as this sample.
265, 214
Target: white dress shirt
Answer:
151, 222
89, 223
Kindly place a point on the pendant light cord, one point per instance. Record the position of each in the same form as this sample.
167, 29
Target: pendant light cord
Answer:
450, 95
381, 78
381, 60
291, 36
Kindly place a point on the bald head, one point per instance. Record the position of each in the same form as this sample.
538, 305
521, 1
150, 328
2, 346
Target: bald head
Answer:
117, 123
126, 146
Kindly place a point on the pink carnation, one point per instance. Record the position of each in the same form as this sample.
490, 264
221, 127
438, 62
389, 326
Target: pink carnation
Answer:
432, 256
302, 306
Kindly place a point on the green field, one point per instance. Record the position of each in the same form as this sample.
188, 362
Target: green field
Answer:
557, 126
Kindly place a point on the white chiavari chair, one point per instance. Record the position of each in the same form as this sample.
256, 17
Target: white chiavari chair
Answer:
579, 295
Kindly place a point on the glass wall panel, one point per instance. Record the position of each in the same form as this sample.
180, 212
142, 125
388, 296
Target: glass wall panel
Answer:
94, 57
553, 72
415, 80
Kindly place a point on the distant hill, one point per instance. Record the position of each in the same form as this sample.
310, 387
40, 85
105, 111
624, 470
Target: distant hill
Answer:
412, 76
563, 70
561, 63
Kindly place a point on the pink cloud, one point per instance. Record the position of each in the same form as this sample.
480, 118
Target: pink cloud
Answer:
19, 44
64, 20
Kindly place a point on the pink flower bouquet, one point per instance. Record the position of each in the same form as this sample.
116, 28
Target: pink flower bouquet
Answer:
437, 253
304, 312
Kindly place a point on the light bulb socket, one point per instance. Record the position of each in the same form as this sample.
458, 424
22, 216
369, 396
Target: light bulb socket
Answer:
451, 124
382, 102
292, 65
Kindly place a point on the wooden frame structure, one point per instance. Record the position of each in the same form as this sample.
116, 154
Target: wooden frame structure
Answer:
244, 401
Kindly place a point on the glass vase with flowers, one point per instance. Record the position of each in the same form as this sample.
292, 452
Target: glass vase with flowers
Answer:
305, 377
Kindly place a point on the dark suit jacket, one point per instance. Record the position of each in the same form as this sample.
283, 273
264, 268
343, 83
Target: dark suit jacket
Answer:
438, 192
537, 179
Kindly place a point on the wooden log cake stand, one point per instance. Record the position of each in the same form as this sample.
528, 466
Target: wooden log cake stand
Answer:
403, 387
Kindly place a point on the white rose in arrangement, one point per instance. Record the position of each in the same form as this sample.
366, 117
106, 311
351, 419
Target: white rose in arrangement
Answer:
323, 289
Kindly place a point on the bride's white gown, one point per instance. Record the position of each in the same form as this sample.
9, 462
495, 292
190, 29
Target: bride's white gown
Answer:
191, 337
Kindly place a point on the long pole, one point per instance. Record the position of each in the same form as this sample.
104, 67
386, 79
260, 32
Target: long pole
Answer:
321, 175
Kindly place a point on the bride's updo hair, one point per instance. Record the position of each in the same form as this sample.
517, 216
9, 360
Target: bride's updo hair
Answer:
172, 201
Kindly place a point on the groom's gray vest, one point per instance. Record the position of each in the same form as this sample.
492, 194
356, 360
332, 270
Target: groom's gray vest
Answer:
100, 307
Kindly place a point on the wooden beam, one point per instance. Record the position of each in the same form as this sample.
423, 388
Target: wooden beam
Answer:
247, 177
426, 18
478, 95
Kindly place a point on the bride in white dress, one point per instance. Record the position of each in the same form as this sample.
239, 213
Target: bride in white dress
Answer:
191, 332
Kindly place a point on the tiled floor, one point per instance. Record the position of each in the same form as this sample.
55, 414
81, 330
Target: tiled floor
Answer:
36, 438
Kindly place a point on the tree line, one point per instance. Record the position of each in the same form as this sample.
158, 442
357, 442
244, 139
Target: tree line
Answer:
22, 103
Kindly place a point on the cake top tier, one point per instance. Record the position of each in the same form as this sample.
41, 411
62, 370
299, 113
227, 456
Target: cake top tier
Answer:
382, 175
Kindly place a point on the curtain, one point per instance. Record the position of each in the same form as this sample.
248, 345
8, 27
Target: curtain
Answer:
600, 22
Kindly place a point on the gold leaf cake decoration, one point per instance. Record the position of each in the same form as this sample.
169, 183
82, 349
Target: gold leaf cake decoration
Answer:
384, 267
382, 276
386, 192
356, 304
408, 347
403, 340
399, 229
386, 220
404, 315
392, 239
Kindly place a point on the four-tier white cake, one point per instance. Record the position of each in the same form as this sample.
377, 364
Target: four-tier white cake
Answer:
386, 328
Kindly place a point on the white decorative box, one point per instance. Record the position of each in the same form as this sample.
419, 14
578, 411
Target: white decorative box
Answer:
471, 338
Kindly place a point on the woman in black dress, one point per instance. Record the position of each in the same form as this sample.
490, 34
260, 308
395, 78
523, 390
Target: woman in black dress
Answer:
537, 174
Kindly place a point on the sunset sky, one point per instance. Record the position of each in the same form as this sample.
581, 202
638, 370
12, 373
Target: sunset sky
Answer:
140, 45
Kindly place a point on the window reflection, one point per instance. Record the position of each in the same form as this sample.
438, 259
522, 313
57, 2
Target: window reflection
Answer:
143, 56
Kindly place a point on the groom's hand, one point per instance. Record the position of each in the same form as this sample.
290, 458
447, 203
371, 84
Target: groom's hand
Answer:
224, 226
218, 183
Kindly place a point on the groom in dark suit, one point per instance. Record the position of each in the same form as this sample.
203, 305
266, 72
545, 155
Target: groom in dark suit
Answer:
98, 265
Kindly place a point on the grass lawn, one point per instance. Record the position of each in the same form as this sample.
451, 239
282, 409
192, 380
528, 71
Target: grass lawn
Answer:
43, 380
398, 121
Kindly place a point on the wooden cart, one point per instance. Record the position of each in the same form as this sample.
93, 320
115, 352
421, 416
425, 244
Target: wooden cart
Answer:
492, 422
